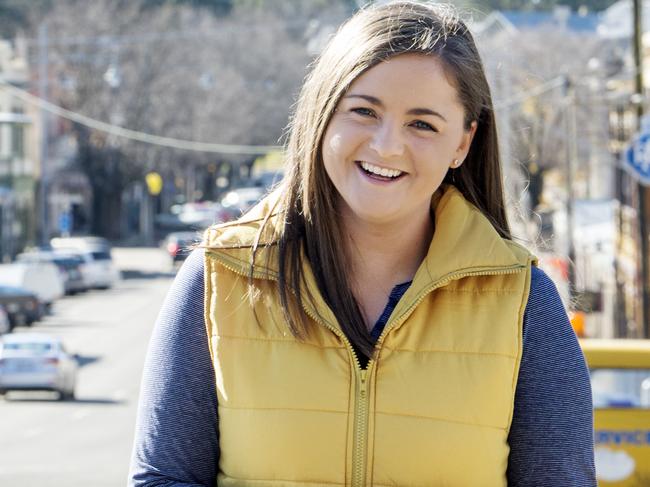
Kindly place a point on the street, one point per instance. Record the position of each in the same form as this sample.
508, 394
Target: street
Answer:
87, 442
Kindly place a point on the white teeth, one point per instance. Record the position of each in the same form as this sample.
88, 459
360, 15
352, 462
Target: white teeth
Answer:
381, 171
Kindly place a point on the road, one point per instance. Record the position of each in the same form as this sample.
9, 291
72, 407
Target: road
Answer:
87, 442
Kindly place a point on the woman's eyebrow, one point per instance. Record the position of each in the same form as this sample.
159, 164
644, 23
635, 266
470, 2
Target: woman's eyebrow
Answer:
413, 111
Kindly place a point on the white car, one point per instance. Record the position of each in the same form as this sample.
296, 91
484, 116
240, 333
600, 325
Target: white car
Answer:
36, 361
40, 278
98, 270
70, 267
241, 200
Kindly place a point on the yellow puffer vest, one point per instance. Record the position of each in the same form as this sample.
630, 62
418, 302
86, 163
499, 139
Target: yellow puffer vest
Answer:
432, 409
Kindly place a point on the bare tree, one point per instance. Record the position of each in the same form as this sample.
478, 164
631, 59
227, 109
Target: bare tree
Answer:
175, 71
533, 65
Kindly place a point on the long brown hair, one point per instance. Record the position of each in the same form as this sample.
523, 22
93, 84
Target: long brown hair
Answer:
309, 223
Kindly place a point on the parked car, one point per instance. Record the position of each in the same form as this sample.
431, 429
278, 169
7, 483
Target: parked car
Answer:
620, 379
5, 325
85, 242
72, 265
240, 200
22, 306
98, 270
41, 278
69, 265
36, 361
268, 179
201, 215
178, 245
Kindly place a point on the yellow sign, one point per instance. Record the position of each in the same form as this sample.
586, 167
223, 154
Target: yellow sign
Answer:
271, 161
620, 379
154, 183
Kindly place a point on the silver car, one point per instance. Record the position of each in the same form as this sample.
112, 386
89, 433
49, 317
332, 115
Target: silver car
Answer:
98, 269
36, 361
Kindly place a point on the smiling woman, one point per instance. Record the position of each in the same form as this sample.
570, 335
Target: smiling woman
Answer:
372, 322
388, 146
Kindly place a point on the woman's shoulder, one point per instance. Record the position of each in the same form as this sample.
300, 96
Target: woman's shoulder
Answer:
189, 278
256, 226
546, 323
543, 292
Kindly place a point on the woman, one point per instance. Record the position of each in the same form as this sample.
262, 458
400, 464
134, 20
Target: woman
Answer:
371, 322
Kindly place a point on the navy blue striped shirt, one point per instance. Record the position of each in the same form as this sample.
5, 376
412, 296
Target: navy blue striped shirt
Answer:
177, 434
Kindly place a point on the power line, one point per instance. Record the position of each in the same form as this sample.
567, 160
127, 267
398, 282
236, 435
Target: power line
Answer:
212, 147
532, 93
135, 135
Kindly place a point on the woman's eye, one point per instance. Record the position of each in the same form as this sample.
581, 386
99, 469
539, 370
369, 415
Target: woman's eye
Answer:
419, 124
366, 112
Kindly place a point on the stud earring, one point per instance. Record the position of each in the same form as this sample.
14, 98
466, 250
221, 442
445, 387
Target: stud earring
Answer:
454, 165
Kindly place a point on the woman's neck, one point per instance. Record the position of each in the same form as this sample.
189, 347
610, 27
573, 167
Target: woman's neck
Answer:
387, 254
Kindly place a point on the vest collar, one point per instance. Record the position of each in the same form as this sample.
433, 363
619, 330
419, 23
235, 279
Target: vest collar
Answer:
463, 241
464, 244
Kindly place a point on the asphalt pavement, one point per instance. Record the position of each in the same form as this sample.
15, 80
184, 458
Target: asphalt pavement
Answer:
87, 442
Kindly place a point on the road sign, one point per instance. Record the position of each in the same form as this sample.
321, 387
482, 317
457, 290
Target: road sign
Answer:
154, 183
65, 223
636, 159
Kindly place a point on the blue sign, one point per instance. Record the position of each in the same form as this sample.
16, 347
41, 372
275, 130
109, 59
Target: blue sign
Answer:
636, 159
65, 223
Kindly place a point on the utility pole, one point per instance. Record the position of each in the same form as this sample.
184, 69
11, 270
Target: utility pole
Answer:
620, 137
42, 92
644, 197
568, 92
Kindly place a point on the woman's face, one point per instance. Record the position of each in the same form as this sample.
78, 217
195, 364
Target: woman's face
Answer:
392, 138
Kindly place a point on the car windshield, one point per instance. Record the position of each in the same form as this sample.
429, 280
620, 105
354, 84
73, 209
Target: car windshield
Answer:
36, 348
13, 291
101, 255
621, 388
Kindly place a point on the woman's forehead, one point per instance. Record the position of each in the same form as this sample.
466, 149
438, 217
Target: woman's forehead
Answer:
407, 79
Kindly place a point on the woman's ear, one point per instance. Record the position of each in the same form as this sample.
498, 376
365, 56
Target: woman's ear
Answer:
466, 141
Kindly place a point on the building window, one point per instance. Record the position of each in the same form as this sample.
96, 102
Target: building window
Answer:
18, 141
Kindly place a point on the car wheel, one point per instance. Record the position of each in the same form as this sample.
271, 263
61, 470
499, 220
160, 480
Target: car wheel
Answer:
21, 319
66, 395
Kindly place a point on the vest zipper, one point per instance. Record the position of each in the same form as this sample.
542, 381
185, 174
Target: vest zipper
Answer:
361, 413
360, 431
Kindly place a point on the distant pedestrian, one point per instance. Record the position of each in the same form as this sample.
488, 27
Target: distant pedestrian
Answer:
372, 321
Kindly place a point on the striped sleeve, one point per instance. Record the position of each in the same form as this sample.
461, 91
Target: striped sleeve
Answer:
551, 436
176, 438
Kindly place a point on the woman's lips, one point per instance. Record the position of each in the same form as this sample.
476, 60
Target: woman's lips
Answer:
371, 172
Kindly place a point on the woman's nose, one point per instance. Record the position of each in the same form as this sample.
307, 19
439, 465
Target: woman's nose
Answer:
387, 140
